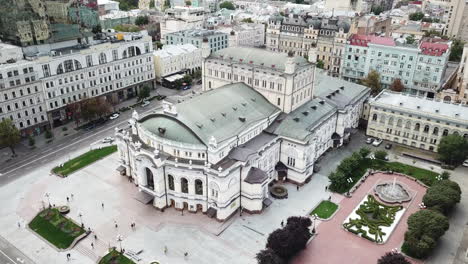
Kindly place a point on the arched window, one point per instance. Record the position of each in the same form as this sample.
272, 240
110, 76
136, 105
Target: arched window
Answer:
198, 187
399, 123
426, 129
102, 58
435, 131
390, 121
184, 185
408, 125
171, 182
416, 127
374, 117
382, 119
149, 179
456, 133
445, 133
68, 66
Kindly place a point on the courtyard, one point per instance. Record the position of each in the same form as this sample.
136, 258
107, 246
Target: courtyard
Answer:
107, 205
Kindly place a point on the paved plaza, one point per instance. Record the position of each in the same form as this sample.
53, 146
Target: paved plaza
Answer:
204, 239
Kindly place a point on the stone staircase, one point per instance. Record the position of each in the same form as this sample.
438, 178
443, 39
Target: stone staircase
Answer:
100, 248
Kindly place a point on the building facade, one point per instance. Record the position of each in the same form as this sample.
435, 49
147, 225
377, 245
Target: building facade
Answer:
245, 35
216, 40
285, 80
420, 66
181, 18
415, 121
172, 59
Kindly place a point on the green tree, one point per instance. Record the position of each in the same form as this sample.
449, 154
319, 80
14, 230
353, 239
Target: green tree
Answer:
247, 20
197, 74
188, 3
152, 4
456, 50
393, 258
442, 196
97, 29
416, 16
158, 44
425, 227
187, 79
397, 86
377, 10
48, 134
373, 82
320, 64
9, 135
227, 5
144, 93
268, 256
142, 20
94, 108
410, 39
291, 239
364, 152
380, 154
453, 149
31, 141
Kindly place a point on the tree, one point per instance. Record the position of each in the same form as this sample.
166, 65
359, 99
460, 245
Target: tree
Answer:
94, 108
397, 86
142, 20
393, 258
364, 152
377, 10
188, 3
442, 196
187, 79
453, 149
445, 175
48, 134
151, 5
456, 50
31, 141
416, 16
247, 20
380, 154
425, 227
9, 135
299, 1
320, 64
97, 29
410, 39
158, 44
268, 256
227, 5
144, 93
373, 82
197, 74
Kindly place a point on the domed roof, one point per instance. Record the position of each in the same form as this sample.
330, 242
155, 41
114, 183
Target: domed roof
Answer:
344, 25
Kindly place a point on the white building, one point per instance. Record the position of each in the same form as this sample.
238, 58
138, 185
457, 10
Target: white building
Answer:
182, 18
48, 83
172, 59
245, 35
224, 156
415, 121
107, 6
286, 81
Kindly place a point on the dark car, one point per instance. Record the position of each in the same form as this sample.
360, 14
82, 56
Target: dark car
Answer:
388, 146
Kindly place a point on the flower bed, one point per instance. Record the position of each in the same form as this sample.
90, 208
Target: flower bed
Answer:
279, 192
115, 257
373, 220
56, 228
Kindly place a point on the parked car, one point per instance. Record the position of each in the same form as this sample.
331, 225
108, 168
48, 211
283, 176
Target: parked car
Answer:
114, 116
465, 163
388, 146
377, 142
369, 140
186, 87
145, 103
108, 140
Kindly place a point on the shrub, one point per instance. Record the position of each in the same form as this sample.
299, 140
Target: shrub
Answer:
442, 196
424, 229
381, 155
445, 175
393, 258
31, 141
364, 152
268, 256
48, 134
291, 239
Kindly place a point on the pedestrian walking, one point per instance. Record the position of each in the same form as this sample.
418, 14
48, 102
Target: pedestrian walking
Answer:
116, 225
297, 187
68, 199
95, 237
326, 188
185, 254
282, 223
92, 245
19, 225
102, 204
329, 198
68, 256
89, 229
165, 250
72, 196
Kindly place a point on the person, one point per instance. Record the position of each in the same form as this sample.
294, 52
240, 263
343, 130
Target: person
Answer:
68, 199
71, 196
68, 256
95, 237
19, 225
92, 245
116, 226
326, 188
185, 254
165, 250
89, 229
282, 223
102, 204
329, 198
297, 187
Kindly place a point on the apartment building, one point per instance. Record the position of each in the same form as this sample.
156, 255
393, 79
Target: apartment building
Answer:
173, 59
216, 40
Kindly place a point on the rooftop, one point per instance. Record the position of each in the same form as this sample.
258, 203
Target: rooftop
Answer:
195, 33
422, 105
258, 57
174, 50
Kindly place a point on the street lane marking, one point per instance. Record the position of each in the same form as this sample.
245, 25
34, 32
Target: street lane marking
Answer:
4, 254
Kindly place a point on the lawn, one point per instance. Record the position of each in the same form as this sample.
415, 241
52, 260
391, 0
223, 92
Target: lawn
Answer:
55, 228
325, 209
114, 257
426, 176
84, 160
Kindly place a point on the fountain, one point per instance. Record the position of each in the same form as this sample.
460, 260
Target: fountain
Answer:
392, 192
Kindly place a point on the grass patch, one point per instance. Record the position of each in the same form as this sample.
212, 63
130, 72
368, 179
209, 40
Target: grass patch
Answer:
84, 160
55, 228
115, 257
325, 209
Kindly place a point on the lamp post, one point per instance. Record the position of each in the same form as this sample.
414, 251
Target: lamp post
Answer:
119, 239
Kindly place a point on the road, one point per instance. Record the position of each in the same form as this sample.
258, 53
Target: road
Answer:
11, 255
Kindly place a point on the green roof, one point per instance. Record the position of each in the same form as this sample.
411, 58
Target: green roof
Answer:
221, 113
299, 123
259, 57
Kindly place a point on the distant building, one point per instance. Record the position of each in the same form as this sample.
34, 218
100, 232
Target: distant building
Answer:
453, 12
245, 35
217, 40
181, 19
172, 59
415, 121
420, 66
372, 25
459, 92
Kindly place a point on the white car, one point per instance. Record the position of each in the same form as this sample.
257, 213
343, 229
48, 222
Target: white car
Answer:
108, 140
369, 140
114, 116
465, 163
377, 142
145, 103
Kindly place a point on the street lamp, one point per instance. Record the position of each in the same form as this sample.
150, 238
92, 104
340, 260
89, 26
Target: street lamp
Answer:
119, 239
48, 198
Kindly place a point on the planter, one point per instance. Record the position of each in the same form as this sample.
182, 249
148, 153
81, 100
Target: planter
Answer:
279, 192
64, 209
